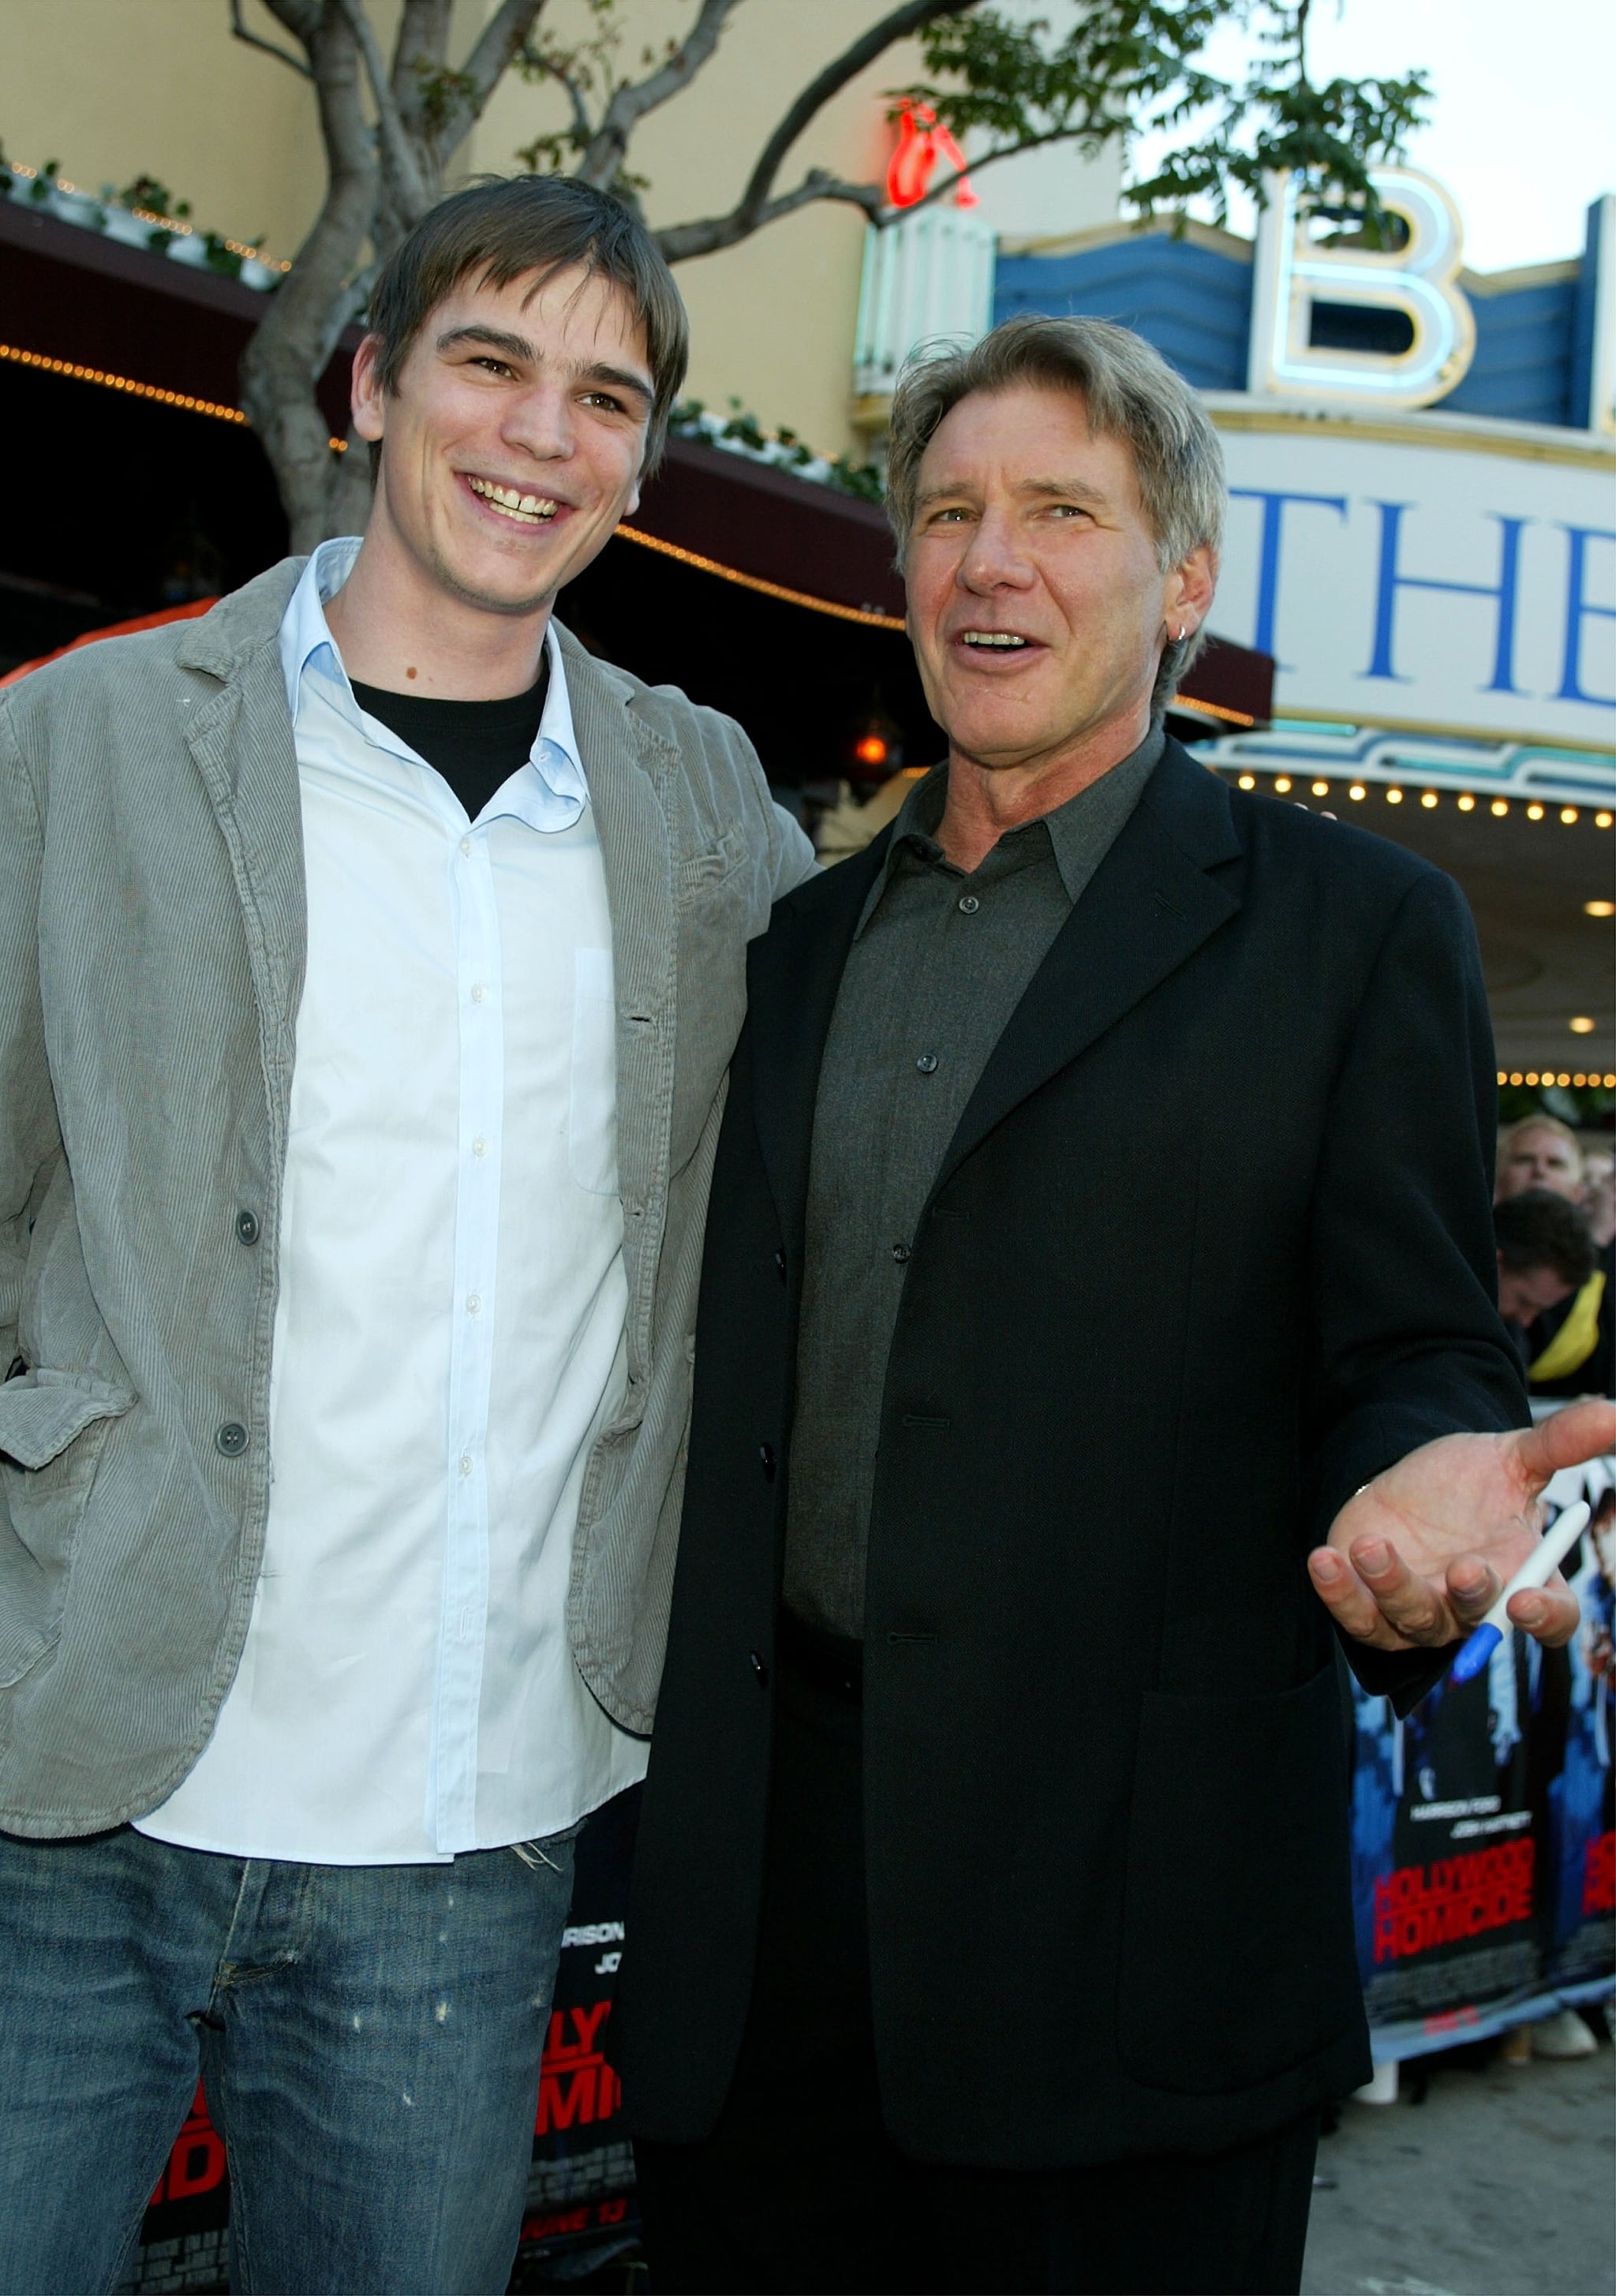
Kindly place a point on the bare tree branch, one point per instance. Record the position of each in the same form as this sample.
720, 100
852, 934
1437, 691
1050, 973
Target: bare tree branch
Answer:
632, 100
895, 26
496, 44
682, 241
423, 38
413, 193
255, 40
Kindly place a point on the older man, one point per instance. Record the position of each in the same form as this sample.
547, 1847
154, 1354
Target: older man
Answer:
1101, 1222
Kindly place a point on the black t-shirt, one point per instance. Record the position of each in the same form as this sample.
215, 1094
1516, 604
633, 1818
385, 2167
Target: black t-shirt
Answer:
475, 745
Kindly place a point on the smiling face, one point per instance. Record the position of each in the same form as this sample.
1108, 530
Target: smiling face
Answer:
1037, 608
512, 443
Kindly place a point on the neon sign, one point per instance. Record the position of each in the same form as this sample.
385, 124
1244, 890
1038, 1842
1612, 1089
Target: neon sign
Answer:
921, 140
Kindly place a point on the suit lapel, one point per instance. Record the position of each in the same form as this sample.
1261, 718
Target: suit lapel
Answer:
795, 973
1147, 909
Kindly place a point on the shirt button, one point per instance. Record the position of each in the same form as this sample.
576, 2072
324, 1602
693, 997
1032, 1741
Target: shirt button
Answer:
247, 1226
479, 995
968, 904
465, 1462
231, 1438
473, 1305
927, 1065
465, 846
900, 1254
479, 1146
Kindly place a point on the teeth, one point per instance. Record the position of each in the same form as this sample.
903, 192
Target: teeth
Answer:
1004, 639
532, 509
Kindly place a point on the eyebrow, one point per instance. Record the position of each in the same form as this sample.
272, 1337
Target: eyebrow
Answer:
1067, 489
518, 347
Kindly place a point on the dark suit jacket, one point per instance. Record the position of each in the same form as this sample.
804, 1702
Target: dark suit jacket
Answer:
1211, 1246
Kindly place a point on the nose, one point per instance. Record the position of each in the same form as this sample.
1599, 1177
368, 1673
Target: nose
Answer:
540, 422
995, 559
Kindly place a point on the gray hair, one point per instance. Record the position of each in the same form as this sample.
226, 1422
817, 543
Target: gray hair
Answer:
1129, 392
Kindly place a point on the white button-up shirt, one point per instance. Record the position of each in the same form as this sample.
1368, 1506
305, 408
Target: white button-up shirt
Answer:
449, 1333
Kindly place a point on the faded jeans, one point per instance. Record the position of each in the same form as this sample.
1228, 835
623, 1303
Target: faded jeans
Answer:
369, 2036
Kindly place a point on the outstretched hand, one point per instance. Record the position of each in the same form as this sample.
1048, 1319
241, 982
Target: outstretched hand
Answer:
1423, 1553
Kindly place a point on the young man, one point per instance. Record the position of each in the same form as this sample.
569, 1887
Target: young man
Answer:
371, 958
1546, 1252
1101, 1222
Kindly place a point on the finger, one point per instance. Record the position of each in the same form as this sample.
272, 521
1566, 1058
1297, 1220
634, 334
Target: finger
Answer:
1549, 1614
1582, 1430
1349, 1601
1411, 1606
1473, 1586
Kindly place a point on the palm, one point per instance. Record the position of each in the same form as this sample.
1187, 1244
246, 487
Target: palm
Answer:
1422, 1552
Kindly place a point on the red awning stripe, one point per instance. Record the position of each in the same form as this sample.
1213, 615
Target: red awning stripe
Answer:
185, 613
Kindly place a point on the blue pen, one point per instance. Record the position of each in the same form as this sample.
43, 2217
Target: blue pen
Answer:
1536, 1570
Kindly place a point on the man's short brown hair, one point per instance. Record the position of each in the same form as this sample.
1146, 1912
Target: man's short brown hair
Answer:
507, 226
1539, 1229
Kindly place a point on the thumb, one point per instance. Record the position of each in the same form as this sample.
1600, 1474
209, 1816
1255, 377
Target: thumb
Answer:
1582, 1430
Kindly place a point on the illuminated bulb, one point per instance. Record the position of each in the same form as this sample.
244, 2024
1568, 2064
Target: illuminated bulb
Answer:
1581, 1026
1503, 1075
1516, 1077
1394, 797
1283, 784
870, 750
1562, 1077
1248, 780
1603, 820
1467, 803
1531, 1076
1356, 791
1599, 908
1428, 798
1500, 806
1321, 788
1534, 813
1568, 814
1580, 1078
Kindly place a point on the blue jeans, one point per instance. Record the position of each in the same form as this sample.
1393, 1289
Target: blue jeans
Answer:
369, 2036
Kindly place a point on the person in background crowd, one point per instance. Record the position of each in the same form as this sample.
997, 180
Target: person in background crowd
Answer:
371, 959
1540, 1152
1102, 1222
1545, 1253
1571, 1346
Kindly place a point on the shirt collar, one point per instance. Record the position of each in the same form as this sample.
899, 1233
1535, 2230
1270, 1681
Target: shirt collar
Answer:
1081, 830
549, 793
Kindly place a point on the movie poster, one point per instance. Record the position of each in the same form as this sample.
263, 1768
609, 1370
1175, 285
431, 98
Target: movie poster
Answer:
1582, 1800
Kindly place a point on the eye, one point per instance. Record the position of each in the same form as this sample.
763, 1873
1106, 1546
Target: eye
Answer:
605, 398
492, 365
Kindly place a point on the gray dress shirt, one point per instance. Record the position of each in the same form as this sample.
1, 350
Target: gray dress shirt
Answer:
939, 962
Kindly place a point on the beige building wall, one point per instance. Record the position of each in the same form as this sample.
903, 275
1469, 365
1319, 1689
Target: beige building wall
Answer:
112, 88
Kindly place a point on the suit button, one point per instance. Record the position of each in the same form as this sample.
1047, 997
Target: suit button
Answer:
231, 1438
760, 1668
900, 1254
765, 1460
780, 1264
247, 1226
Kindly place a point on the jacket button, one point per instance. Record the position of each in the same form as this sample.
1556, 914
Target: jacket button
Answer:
760, 1668
780, 1264
231, 1438
247, 1226
765, 1460
900, 1254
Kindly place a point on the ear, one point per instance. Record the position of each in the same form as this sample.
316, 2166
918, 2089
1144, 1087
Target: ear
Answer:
1191, 588
367, 395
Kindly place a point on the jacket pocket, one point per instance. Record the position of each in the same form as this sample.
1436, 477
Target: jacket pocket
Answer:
42, 1411
1237, 1959
53, 1426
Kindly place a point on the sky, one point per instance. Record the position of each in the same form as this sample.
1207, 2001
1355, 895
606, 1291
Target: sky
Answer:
1524, 123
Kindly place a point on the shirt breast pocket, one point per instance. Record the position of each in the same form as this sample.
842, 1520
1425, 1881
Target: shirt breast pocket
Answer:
592, 1116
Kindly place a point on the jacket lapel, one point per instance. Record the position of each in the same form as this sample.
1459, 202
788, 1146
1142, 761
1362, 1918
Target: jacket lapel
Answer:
239, 737
795, 973
1148, 908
